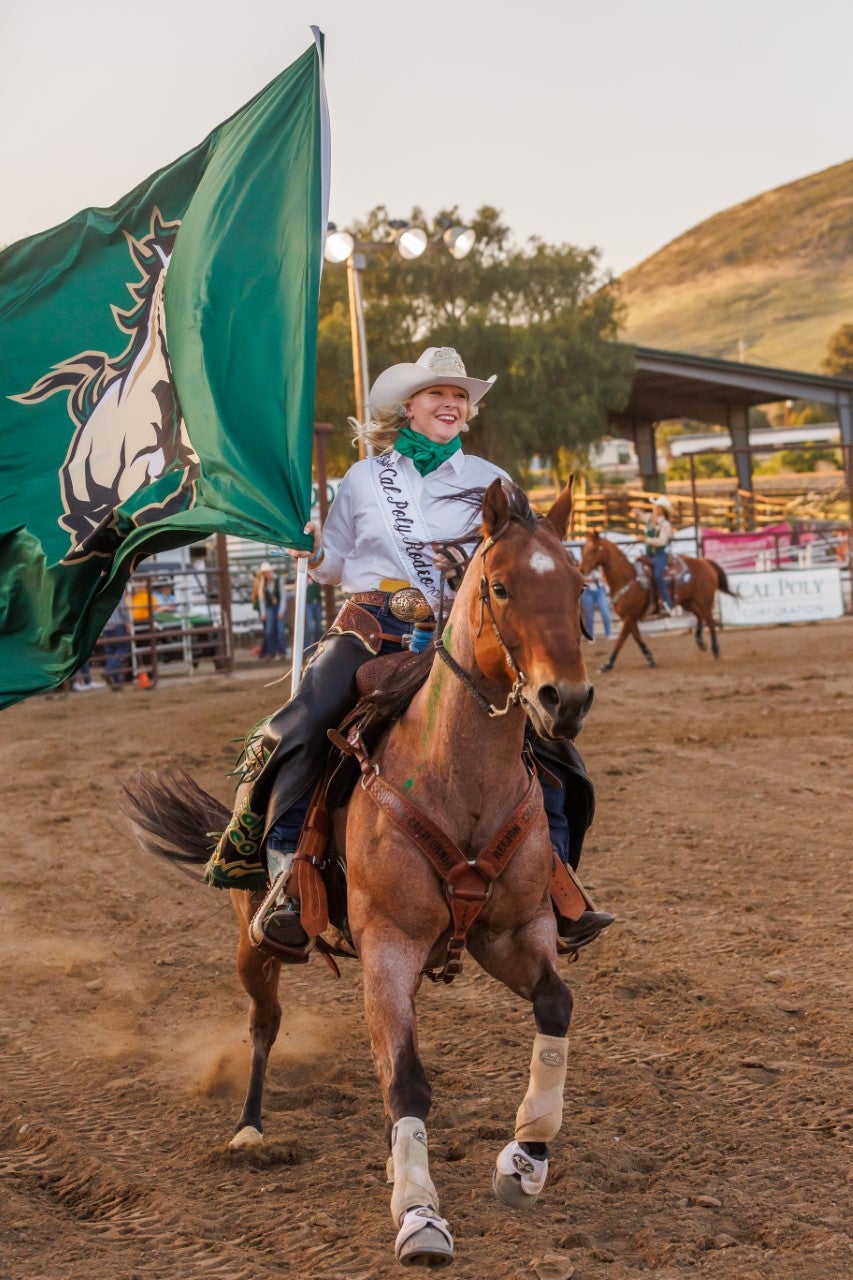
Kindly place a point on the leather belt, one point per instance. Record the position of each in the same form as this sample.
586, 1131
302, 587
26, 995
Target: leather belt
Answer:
407, 605
369, 597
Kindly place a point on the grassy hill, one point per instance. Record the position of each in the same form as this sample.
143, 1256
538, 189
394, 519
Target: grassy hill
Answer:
768, 280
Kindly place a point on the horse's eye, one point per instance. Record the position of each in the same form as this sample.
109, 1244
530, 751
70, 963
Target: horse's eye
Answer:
500, 591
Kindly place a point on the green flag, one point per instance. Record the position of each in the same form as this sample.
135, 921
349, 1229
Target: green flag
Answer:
157, 374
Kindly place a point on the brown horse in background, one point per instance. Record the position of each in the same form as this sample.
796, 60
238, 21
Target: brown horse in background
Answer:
514, 640
631, 594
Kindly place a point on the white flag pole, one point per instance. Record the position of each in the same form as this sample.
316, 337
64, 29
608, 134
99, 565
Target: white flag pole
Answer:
299, 622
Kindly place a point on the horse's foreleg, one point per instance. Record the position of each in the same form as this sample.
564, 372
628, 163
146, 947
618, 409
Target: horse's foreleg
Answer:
258, 975
525, 964
700, 642
392, 966
644, 648
624, 632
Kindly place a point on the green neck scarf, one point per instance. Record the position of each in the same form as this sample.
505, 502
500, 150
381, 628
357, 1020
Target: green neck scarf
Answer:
424, 453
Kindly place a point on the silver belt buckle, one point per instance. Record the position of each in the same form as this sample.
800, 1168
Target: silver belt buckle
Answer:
410, 605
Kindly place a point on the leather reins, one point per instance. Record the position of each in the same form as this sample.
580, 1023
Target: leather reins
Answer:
485, 597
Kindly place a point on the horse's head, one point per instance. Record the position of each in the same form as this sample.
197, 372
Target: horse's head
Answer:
527, 592
594, 553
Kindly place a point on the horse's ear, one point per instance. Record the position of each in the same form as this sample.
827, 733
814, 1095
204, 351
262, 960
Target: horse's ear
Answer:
495, 509
560, 515
595, 536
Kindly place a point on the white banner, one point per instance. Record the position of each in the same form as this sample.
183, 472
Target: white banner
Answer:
786, 595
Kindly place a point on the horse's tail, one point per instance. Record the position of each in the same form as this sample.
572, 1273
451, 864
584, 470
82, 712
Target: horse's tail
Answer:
722, 580
172, 816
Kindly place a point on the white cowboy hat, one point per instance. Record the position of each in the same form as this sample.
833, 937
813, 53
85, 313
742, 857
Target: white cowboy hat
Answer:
437, 367
663, 501
266, 567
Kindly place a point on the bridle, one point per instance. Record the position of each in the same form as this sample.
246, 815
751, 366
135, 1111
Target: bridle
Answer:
485, 597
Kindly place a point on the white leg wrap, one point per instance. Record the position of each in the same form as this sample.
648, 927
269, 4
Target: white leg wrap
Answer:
409, 1166
414, 1221
541, 1113
531, 1171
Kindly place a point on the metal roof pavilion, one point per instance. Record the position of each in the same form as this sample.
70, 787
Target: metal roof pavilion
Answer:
677, 384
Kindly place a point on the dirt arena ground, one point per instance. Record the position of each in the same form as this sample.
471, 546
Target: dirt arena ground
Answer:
705, 1121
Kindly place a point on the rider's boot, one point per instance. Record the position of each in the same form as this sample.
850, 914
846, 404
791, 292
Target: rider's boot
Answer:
579, 921
276, 926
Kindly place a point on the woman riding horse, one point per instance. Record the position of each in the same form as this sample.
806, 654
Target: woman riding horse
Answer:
658, 535
398, 523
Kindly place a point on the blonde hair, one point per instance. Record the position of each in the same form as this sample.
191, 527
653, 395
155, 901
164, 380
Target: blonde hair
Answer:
381, 430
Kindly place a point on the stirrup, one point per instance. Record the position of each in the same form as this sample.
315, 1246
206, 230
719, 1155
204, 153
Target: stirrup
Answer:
257, 934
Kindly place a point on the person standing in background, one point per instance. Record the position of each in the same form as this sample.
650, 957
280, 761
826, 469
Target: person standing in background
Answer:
596, 597
272, 601
116, 637
658, 535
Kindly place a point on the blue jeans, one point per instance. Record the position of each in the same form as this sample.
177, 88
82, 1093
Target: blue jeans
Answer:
313, 621
274, 642
117, 650
595, 597
658, 567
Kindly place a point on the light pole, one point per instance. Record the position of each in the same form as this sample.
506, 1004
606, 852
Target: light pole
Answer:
410, 242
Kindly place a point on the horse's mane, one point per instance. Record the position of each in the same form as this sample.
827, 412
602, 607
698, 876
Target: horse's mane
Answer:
378, 711
520, 511
148, 256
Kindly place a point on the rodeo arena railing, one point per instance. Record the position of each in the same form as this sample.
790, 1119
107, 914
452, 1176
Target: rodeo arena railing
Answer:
787, 554
171, 621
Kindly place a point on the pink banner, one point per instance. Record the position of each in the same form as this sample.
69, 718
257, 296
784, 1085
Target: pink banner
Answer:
759, 550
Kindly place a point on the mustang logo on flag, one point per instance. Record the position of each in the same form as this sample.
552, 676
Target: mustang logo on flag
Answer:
129, 427
132, 425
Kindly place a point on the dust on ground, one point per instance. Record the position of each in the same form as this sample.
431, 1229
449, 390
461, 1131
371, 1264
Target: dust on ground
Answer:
705, 1122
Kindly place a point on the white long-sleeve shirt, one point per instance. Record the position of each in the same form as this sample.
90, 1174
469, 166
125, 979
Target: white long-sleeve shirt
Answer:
359, 552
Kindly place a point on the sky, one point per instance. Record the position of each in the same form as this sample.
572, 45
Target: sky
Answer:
605, 123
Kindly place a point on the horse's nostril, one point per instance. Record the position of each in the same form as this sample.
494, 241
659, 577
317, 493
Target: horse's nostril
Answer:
549, 697
587, 703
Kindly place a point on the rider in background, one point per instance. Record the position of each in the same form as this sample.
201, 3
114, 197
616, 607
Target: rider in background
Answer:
658, 535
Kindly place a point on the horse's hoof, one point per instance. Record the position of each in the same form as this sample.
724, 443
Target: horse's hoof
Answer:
424, 1239
518, 1178
650, 662
508, 1189
248, 1136
608, 666
702, 645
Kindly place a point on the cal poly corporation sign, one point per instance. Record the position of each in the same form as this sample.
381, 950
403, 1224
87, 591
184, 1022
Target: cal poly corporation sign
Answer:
786, 595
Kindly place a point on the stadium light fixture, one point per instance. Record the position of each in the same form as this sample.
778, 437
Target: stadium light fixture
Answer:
410, 242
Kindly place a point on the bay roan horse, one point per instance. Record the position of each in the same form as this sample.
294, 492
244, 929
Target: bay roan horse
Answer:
630, 594
513, 635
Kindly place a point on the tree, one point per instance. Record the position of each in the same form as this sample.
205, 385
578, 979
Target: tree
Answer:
838, 361
706, 466
542, 317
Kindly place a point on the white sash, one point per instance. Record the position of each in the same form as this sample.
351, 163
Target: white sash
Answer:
406, 524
